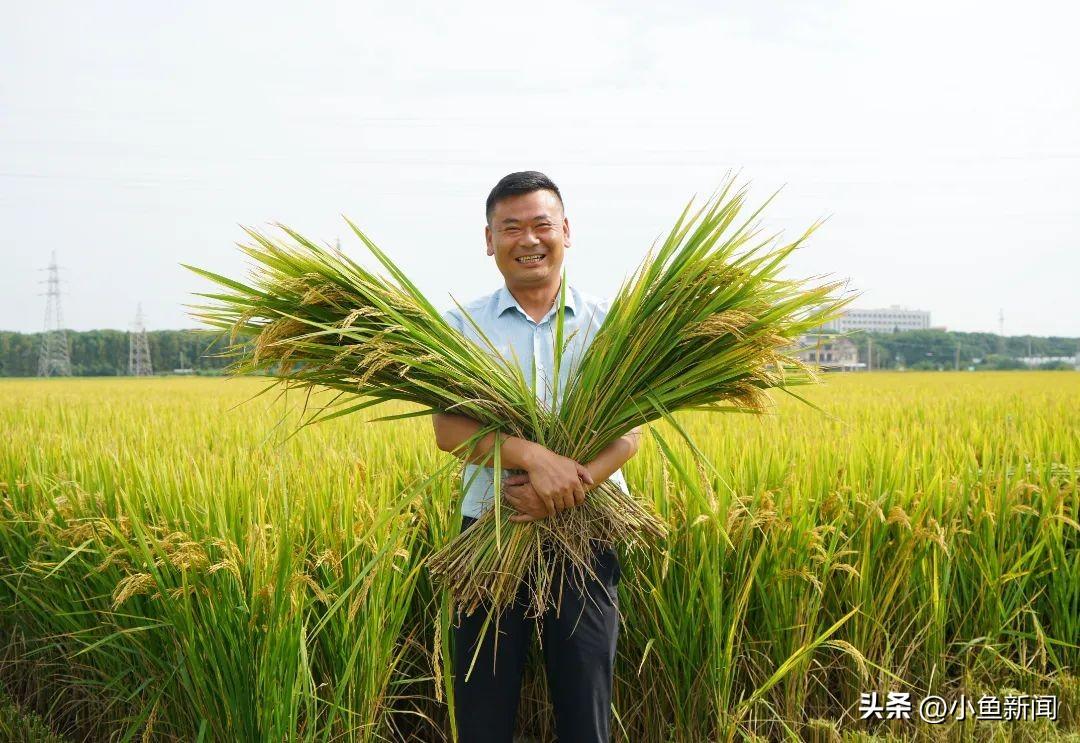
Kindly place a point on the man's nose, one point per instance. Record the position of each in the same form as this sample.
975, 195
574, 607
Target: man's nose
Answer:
528, 237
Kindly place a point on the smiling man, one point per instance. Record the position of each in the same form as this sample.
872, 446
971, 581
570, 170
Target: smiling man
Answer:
527, 233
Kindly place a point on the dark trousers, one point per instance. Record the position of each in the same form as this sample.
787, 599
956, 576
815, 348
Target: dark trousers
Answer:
579, 660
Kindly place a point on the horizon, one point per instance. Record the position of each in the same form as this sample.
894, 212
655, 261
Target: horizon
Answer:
933, 328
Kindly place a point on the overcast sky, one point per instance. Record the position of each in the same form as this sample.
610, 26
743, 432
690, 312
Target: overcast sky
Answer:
941, 139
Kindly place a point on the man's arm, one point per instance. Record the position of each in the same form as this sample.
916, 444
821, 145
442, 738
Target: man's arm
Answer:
452, 431
559, 481
613, 456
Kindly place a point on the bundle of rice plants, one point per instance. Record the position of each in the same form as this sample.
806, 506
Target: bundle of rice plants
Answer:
705, 323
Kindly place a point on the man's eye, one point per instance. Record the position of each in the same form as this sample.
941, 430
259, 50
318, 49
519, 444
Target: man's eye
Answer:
511, 230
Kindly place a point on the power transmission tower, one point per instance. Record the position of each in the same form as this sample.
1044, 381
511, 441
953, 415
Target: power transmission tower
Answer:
54, 360
139, 348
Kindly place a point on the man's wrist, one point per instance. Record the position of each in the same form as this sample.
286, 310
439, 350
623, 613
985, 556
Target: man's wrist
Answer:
522, 451
593, 471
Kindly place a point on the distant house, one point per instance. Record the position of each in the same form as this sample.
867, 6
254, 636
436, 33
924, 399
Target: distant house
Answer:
829, 351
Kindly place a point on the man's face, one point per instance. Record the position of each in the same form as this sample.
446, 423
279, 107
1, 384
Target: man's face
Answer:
527, 235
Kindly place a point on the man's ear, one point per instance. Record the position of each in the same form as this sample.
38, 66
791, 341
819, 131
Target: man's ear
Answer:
566, 232
489, 240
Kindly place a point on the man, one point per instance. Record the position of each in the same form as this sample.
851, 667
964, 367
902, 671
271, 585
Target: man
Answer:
527, 233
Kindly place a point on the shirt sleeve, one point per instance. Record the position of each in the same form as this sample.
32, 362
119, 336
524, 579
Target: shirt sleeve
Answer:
453, 317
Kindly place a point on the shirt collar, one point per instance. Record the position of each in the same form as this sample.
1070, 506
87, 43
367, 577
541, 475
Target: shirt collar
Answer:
505, 300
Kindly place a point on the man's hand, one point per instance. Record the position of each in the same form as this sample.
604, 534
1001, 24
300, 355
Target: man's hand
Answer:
556, 480
520, 494
525, 498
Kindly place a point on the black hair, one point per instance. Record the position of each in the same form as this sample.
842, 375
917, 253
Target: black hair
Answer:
519, 183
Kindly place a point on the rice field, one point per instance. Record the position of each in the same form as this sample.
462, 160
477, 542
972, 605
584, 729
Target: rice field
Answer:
174, 567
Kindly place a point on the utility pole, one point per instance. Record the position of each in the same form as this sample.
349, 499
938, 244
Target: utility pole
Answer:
54, 359
139, 348
870, 353
1001, 331
958, 356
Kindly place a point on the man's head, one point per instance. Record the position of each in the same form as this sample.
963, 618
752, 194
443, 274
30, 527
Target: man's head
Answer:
527, 230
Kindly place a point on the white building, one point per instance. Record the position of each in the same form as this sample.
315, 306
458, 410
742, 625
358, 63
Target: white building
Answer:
894, 319
1033, 361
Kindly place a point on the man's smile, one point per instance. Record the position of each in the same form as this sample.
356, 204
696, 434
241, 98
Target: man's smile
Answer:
531, 259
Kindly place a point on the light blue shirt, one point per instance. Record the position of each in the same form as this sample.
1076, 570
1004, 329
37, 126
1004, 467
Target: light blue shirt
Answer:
519, 338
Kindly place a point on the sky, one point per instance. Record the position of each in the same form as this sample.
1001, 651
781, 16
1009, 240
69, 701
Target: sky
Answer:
939, 140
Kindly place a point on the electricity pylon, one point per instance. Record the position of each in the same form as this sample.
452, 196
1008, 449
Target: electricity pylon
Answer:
139, 348
54, 359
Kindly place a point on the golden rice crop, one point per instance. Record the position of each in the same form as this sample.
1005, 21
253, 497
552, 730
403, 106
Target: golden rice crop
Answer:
168, 569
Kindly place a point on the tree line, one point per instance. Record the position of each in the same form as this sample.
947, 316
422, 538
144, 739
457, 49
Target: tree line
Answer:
104, 353
96, 353
939, 349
